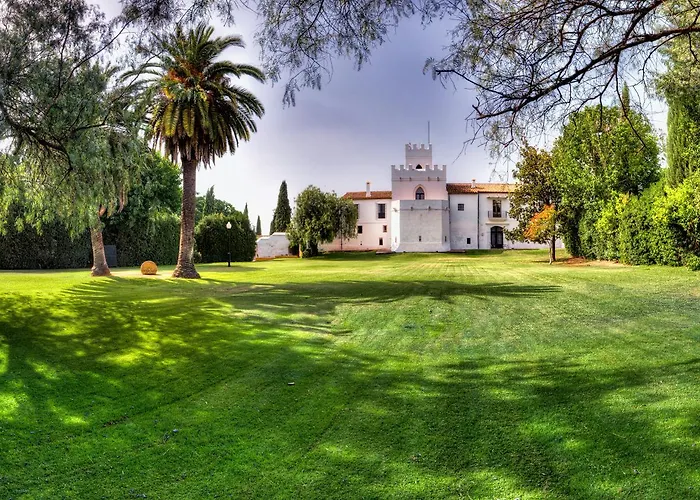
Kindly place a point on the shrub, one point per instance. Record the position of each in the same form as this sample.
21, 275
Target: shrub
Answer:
692, 262
156, 239
52, 248
212, 239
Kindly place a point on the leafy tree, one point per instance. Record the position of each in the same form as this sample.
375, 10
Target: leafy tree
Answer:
318, 218
215, 206
70, 130
197, 114
535, 199
346, 216
283, 212
680, 86
143, 230
602, 151
209, 201
214, 240
258, 227
683, 140
245, 214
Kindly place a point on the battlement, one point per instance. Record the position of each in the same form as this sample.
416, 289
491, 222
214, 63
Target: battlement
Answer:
415, 148
423, 168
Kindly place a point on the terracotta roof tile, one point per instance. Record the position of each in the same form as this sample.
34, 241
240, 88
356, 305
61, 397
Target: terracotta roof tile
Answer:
480, 187
362, 195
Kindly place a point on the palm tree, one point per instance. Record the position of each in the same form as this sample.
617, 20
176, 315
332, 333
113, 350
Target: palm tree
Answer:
197, 114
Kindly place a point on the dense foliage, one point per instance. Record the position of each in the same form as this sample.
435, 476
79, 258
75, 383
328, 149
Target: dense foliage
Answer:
319, 218
282, 215
147, 227
209, 204
659, 226
603, 151
214, 241
535, 199
683, 141
157, 240
51, 247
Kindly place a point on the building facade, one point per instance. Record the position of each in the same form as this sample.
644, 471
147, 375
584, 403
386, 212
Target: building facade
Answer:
425, 213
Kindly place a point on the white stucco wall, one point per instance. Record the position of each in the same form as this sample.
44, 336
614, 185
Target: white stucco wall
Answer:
424, 226
463, 225
486, 222
372, 229
275, 245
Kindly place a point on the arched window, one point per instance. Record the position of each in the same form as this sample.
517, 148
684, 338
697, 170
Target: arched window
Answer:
420, 194
419, 167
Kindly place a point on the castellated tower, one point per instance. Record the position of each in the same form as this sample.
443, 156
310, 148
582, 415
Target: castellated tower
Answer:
419, 207
419, 172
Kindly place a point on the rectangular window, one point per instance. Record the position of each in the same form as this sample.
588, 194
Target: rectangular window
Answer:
420, 238
496, 208
357, 209
460, 207
381, 210
385, 228
469, 241
381, 242
359, 229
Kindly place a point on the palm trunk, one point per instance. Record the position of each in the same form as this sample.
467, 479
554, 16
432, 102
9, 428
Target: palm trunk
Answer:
185, 265
552, 250
99, 261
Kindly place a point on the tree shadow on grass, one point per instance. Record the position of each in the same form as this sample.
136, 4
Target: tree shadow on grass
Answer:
102, 374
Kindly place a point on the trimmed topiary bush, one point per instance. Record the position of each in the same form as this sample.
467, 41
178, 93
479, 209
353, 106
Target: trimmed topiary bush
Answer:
212, 238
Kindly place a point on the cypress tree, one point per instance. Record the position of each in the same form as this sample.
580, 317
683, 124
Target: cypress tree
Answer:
258, 227
283, 212
209, 201
245, 214
683, 141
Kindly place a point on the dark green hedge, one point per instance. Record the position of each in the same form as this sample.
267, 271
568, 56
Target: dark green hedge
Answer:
660, 226
53, 248
156, 239
212, 238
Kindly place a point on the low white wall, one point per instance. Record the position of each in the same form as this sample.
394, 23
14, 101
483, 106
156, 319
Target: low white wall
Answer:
275, 245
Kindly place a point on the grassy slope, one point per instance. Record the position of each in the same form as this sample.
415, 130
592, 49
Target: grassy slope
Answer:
482, 375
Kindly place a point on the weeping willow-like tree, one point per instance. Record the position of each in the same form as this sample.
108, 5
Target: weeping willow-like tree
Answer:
196, 112
69, 132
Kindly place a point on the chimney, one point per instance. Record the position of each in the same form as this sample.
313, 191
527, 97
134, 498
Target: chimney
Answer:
368, 194
473, 183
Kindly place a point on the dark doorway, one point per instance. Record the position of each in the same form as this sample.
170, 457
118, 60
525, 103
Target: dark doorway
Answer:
496, 237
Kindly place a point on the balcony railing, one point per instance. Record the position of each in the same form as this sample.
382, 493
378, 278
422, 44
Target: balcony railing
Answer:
498, 215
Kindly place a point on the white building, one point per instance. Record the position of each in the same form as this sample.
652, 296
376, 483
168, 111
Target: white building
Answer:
425, 213
272, 246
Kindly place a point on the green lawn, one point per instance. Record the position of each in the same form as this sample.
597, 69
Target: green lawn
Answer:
490, 375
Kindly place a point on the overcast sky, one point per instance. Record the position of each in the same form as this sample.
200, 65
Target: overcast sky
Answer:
352, 130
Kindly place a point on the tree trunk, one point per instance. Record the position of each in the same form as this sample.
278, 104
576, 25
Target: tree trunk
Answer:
553, 250
99, 261
185, 265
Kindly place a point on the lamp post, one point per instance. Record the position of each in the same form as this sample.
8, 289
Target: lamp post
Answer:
228, 230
